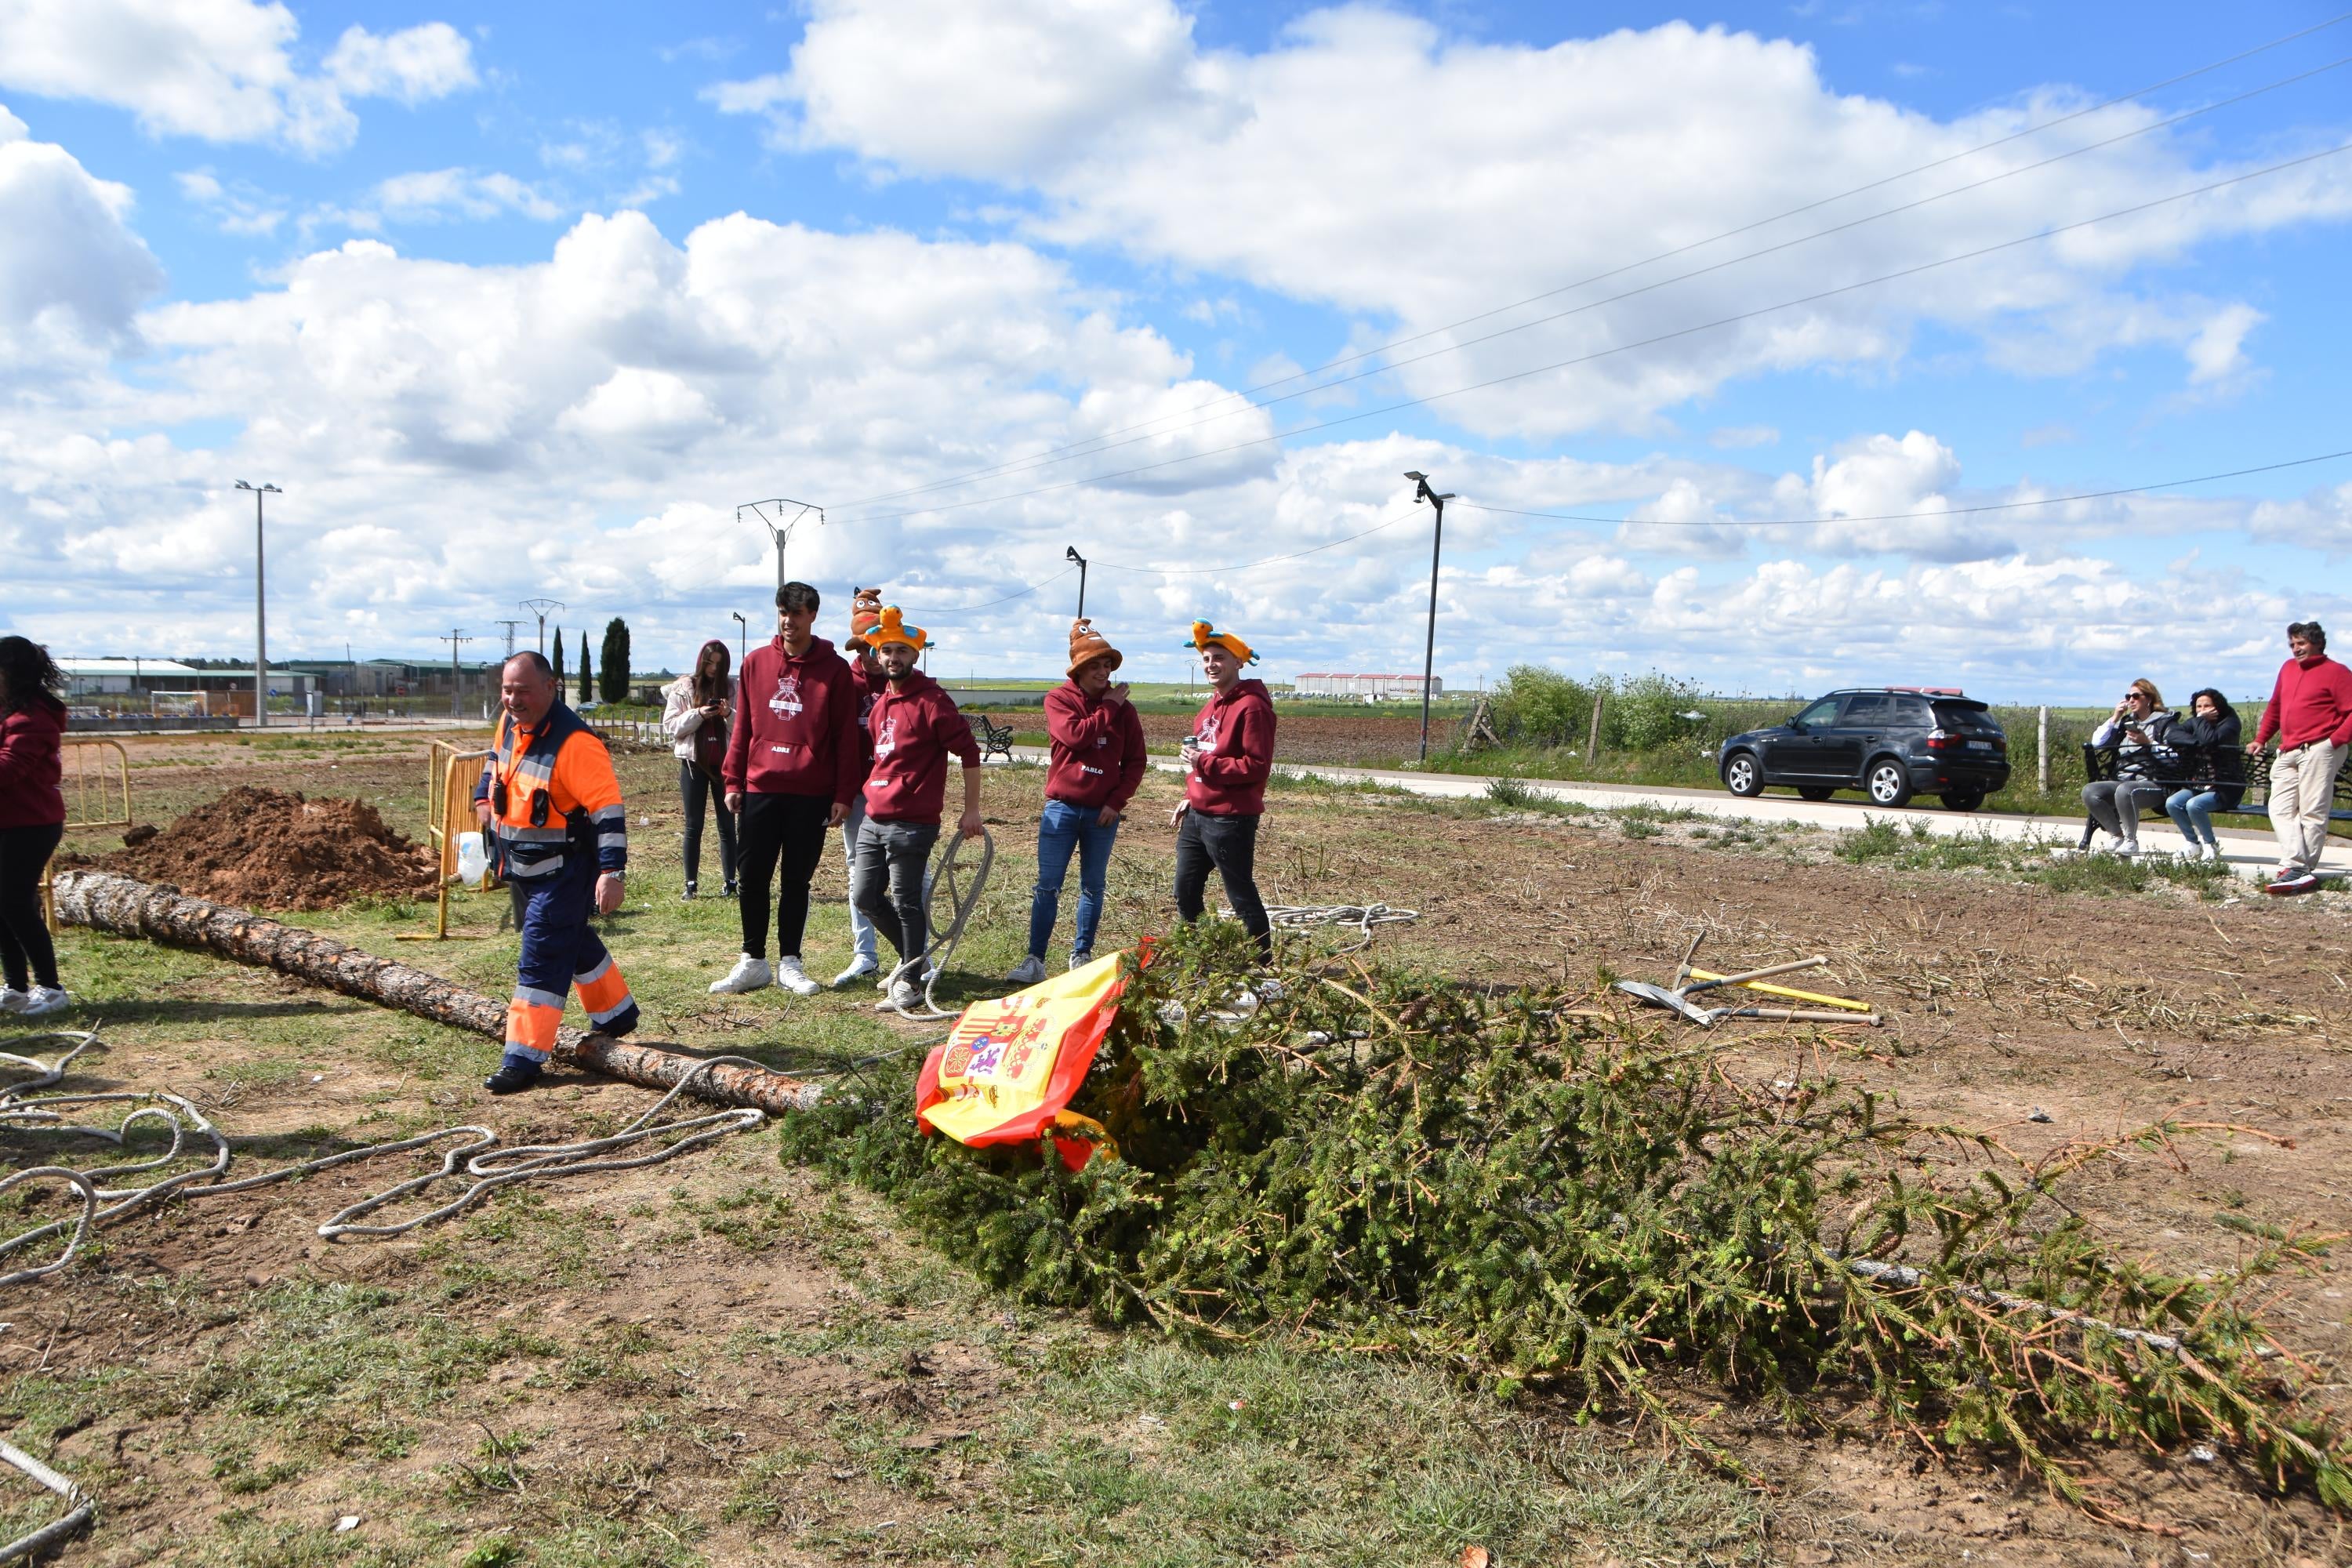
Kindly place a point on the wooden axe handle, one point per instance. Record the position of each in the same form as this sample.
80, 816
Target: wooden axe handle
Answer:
1816, 961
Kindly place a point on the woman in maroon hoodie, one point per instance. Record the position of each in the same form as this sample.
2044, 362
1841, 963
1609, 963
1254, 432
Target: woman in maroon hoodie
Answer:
32, 820
1098, 760
1228, 758
793, 762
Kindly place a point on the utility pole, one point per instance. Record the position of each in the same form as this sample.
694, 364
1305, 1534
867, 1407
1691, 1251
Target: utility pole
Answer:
1421, 492
541, 608
510, 631
743, 632
260, 615
1071, 553
457, 635
778, 528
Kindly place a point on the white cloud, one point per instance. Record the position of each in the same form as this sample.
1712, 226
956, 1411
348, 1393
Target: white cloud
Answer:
1370, 161
994, 89
2218, 351
235, 207
435, 194
412, 65
2321, 520
72, 274
1732, 437
222, 70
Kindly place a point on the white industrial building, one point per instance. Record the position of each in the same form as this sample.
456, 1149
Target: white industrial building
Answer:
1368, 688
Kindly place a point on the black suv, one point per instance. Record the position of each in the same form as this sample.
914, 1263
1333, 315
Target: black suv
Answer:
1889, 742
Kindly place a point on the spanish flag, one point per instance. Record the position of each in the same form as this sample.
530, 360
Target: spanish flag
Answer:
1006, 1073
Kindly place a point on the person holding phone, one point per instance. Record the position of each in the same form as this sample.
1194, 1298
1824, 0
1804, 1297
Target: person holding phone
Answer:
696, 708
2139, 728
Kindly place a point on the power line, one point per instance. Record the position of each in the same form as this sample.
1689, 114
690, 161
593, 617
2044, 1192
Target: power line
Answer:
1072, 449
1908, 515
990, 604
1269, 560
1387, 366
1733, 320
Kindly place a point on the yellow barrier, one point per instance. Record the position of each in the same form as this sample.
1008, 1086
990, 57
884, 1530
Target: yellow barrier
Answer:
96, 797
449, 812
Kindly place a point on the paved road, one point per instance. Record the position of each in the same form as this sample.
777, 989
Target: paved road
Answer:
2248, 848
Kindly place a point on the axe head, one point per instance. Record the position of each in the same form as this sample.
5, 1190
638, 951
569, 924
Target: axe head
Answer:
1658, 995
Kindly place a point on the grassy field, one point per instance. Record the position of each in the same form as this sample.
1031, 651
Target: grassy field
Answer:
731, 1358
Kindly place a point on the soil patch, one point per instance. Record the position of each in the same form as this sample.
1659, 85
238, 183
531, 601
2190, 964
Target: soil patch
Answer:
266, 848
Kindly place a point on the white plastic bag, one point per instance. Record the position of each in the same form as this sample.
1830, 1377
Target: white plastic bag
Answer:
473, 859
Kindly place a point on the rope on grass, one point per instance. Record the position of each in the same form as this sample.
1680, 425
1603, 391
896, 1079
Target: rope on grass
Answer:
932, 962
478, 1157
1362, 917
79, 1504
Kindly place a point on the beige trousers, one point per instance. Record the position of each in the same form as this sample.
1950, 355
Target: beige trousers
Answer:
2303, 786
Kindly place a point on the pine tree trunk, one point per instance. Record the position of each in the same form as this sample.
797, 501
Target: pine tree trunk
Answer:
126, 907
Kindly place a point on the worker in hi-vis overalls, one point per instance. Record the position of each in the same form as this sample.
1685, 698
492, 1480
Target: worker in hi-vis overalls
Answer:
560, 837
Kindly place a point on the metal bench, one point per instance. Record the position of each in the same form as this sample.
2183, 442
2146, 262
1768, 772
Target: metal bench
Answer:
996, 739
2099, 762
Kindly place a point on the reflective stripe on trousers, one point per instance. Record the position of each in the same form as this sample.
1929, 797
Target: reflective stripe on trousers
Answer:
561, 950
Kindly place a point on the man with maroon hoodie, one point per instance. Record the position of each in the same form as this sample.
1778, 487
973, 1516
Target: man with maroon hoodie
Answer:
915, 725
792, 766
32, 820
2310, 711
1098, 761
1228, 758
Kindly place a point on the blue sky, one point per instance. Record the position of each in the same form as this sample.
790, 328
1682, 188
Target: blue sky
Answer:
527, 300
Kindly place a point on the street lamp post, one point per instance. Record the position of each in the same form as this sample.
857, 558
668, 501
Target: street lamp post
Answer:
1421, 492
260, 611
742, 631
779, 529
1071, 553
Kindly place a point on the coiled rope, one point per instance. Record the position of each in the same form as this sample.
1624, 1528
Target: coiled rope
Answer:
932, 962
1362, 917
478, 1157
81, 1506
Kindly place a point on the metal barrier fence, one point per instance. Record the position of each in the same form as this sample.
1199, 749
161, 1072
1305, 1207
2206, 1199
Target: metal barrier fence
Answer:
97, 795
449, 812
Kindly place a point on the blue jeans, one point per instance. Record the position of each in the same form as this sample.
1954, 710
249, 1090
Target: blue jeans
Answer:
2191, 810
1062, 829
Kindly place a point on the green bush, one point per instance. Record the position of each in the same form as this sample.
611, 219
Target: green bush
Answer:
1646, 714
1542, 707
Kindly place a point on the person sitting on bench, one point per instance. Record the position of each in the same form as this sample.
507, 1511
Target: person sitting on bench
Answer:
2210, 746
2137, 729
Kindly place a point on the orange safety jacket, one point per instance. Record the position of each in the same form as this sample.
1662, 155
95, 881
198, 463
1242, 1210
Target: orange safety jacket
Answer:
554, 798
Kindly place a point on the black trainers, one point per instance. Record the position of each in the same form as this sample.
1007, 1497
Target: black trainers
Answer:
514, 1073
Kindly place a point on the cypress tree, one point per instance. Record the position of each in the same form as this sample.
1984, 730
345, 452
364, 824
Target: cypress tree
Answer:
558, 660
616, 682
587, 675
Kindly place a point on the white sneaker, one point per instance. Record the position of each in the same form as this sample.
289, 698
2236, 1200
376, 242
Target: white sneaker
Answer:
1028, 972
12, 1001
903, 995
790, 974
2209, 852
2126, 849
749, 973
859, 968
44, 1000
1269, 989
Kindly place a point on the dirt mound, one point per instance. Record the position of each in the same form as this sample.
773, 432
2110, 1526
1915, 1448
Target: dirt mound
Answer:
265, 848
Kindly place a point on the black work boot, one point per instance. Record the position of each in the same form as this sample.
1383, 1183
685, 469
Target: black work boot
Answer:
514, 1073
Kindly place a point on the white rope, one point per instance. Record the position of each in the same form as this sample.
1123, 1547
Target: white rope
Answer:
933, 959
79, 1504
478, 1157
1362, 917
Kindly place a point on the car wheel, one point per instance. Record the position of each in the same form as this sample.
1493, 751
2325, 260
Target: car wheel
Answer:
1964, 800
1815, 792
1888, 782
1743, 775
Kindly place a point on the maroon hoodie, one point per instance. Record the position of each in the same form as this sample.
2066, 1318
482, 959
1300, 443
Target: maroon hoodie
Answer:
1098, 757
795, 728
916, 724
30, 740
1235, 730
870, 683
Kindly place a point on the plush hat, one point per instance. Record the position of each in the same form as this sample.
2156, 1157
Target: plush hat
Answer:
865, 613
892, 627
1203, 633
1087, 644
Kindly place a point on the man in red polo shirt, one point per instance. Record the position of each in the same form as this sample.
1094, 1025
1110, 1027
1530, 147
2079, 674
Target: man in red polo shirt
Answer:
915, 726
2310, 711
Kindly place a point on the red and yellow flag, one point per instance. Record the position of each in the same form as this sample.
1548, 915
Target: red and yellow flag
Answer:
1007, 1072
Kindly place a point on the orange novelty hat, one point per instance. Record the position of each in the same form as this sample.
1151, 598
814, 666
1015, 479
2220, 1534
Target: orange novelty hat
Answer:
893, 627
1203, 633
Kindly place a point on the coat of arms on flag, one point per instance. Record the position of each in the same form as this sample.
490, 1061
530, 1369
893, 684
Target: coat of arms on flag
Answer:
1008, 1070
